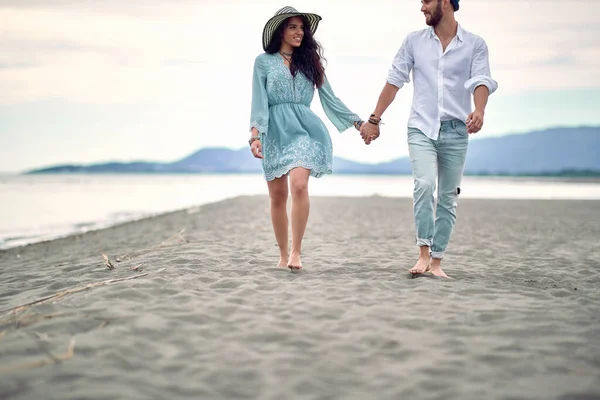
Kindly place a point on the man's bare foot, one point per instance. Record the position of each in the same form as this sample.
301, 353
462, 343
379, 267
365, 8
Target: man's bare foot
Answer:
295, 262
420, 267
436, 269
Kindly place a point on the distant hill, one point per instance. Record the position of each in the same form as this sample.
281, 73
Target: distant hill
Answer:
556, 151
542, 152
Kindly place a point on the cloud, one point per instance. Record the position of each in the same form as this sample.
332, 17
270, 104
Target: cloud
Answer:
138, 8
36, 46
183, 62
574, 59
18, 65
562, 59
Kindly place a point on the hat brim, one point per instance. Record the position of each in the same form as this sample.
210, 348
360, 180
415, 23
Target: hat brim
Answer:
272, 25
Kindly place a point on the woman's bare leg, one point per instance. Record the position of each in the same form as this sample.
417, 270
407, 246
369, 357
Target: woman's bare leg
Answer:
278, 192
300, 209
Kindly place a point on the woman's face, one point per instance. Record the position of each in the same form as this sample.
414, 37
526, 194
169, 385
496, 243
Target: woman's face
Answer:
293, 32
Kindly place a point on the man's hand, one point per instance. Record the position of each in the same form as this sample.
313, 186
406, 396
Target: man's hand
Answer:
369, 132
474, 121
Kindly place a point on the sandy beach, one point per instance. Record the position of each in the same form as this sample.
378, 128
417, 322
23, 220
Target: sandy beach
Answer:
205, 314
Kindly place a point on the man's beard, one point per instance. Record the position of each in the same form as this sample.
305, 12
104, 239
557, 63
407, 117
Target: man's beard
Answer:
437, 15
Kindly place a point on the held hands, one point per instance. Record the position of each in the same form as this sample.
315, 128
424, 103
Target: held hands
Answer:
369, 132
474, 121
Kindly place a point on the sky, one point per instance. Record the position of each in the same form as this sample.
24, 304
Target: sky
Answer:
87, 81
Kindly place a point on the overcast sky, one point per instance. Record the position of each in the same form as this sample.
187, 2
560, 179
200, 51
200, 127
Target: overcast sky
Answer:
85, 81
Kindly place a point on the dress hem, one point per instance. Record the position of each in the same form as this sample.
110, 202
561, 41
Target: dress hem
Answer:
315, 171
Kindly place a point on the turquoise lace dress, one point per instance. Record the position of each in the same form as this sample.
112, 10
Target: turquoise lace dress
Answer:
291, 134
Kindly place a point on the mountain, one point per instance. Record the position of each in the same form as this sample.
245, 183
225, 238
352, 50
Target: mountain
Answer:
568, 151
548, 151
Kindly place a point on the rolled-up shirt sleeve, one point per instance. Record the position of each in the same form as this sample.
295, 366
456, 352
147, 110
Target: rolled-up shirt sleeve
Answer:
403, 63
480, 69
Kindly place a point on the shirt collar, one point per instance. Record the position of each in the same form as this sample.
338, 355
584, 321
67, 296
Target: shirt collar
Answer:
460, 33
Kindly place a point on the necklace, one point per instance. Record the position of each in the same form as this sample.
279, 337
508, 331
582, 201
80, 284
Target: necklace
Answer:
283, 53
286, 57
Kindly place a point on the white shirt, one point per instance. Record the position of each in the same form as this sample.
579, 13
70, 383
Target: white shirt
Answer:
443, 81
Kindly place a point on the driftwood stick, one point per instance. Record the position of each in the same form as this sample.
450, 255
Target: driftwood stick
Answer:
137, 267
43, 362
66, 292
119, 259
107, 262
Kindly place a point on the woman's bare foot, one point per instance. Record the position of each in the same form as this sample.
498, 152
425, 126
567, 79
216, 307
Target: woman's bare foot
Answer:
420, 267
295, 262
283, 261
436, 269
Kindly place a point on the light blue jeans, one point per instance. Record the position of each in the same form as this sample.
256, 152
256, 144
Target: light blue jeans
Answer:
440, 160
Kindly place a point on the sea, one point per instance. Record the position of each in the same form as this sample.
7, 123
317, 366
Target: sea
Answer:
36, 208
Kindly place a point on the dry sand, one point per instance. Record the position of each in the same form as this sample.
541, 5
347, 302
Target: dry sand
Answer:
215, 319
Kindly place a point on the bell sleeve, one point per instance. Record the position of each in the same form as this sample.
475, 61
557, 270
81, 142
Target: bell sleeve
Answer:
259, 114
337, 112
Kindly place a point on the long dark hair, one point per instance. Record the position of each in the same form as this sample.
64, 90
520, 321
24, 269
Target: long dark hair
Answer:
307, 57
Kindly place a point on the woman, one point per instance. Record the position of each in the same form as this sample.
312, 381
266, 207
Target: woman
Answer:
287, 136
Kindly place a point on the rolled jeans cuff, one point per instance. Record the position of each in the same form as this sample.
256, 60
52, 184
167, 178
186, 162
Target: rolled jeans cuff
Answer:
424, 242
437, 254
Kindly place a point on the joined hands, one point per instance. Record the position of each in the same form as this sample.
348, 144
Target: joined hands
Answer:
369, 132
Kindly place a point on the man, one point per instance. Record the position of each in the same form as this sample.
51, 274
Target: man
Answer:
448, 65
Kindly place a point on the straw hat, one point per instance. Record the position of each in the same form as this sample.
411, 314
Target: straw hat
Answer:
280, 16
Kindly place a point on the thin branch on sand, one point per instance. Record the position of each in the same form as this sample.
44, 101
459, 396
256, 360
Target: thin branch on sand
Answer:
43, 362
56, 296
137, 267
107, 262
119, 259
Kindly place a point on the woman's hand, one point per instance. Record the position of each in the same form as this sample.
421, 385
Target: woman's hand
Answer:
256, 148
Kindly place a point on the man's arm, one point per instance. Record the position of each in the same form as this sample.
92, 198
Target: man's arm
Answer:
481, 85
398, 75
369, 131
475, 119
387, 96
